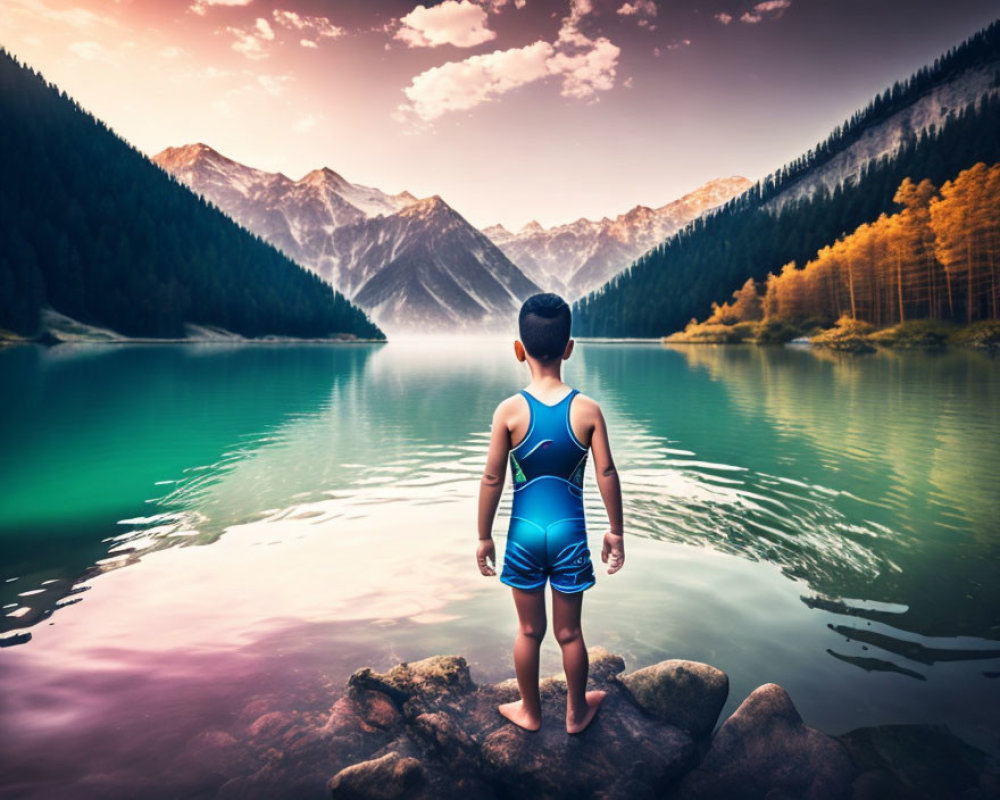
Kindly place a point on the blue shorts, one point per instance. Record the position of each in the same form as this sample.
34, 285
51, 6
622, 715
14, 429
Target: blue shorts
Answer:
557, 552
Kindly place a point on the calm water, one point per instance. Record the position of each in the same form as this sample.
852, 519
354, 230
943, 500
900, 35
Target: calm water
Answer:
186, 527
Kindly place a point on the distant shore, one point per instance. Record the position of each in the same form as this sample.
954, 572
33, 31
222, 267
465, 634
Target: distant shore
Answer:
846, 335
59, 329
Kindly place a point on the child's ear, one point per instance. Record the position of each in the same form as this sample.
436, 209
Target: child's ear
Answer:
519, 353
569, 350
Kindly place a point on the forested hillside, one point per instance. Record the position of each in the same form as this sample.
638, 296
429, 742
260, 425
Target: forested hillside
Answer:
938, 258
716, 254
93, 228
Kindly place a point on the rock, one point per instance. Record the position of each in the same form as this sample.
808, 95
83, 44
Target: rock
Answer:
386, 778
604, 666
622, 754
374, 708
764, 750
271, 725
442, 737
435, 676
687, 694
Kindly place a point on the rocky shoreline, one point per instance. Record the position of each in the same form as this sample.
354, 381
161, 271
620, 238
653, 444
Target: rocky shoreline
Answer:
425, 730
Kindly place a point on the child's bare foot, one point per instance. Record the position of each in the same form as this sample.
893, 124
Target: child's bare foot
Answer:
517, 714
576, 723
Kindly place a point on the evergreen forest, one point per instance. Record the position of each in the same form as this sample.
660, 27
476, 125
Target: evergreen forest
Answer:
717, 253
93, 228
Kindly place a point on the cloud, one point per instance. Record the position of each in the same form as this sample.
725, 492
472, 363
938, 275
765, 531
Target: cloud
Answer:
462, 24
724, 18
318, 26
585, 66
586, 73
201, 7
250, 42
460, 85
681, 43
773, 5
171, 52
495, 5
642, 8
768, 8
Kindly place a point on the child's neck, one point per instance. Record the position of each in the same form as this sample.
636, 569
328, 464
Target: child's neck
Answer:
545, 375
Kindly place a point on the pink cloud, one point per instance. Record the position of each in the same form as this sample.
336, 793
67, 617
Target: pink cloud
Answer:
770, 8
250, 42
461, 24
585, 65
643, 8
459, 85
318, 26
201, 7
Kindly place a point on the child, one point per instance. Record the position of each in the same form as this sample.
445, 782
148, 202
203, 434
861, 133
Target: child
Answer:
547, 430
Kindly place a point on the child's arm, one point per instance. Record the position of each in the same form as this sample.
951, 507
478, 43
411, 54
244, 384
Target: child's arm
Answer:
490, 489
611, 493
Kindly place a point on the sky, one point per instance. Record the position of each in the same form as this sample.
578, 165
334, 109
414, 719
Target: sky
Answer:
510, 110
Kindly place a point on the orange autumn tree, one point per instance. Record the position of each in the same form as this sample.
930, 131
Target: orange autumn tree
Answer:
746, 306
937, 258
922, 291
966, 224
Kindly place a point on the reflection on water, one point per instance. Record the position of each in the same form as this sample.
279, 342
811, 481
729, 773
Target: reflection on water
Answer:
821, 522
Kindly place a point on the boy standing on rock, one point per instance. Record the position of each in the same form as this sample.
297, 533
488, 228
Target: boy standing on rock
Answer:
547, 430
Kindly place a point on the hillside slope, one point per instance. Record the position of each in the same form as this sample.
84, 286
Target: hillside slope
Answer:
793, 212
93, 229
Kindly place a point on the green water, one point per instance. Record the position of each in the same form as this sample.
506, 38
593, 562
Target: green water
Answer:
829, 523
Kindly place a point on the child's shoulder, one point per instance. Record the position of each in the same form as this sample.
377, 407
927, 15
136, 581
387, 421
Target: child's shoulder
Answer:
511, 402
586, 400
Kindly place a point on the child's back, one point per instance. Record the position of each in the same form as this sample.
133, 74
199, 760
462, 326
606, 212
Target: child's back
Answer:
547, 430
548, 535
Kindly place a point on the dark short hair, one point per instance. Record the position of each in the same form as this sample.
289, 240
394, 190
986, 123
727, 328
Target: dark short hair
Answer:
544, 324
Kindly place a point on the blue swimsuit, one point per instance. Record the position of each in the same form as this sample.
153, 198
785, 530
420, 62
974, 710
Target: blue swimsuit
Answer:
548, 535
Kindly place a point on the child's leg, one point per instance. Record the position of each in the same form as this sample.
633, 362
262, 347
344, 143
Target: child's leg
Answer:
527, 712
581, 705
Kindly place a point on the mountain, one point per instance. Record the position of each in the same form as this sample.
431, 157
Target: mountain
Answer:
576, 258
944, 118
427, 269
96, 232
414, 265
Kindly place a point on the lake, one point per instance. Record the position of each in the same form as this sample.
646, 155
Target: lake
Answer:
185, 528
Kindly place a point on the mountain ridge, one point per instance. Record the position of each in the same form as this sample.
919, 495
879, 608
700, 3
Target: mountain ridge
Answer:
792, 212
576, 257
93, 230
442, 274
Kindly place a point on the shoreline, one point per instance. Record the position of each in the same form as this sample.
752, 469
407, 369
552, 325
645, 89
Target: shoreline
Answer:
425, 730
57, 328
846, 335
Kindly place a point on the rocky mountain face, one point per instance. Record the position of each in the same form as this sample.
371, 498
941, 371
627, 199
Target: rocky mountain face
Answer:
427, 269
413, 265
576, 258
886, 138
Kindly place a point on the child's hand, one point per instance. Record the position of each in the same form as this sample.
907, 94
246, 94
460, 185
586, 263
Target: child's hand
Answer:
614, 547
486, 552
